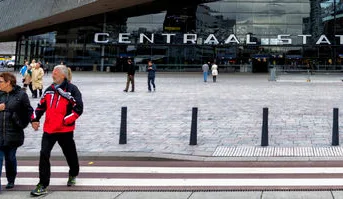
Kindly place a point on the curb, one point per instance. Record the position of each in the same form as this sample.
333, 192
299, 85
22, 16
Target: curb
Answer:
141, 156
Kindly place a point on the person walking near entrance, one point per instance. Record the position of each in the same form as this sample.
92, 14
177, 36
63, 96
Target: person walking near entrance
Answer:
46, 68
37, 80
15, 110
62, 103
205, 69
24, 68
130, 76
151, 69
23, 72
28, 79
214, 69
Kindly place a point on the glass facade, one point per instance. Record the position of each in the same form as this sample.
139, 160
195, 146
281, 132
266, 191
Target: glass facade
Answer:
182, 35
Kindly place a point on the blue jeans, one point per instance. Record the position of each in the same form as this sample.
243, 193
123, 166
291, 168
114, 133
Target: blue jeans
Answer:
152, 81
205, 76
10, 162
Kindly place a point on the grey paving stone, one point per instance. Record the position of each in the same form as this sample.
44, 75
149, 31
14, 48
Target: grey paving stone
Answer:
230, 113
226, 195
153, 195
337, 194
81, 195
297, 195
14, 194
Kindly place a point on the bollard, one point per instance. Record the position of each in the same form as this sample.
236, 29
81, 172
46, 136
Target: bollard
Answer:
264, 141
335, 129
123, 124
193, 139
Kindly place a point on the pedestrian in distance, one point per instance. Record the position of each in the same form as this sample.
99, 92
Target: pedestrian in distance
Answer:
33, 63
205, 69
130, 76
46, 68
62, 104
23, 70
15, 111
214, 69
37, 80
151, 69
28, 79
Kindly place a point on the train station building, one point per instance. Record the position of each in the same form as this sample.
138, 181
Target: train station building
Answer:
177, 35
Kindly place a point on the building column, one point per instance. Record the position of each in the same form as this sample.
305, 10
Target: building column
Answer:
102, 46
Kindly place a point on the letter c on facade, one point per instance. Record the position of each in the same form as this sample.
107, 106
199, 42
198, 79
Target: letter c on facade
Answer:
97, 35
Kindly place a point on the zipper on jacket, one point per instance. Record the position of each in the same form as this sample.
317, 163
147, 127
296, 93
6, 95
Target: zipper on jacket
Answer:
4, 121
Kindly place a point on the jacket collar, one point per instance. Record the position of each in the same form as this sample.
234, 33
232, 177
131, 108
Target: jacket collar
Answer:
64, 85
15, 89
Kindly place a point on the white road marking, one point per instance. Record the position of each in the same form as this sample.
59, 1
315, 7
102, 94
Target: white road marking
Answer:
193, 170
188, 182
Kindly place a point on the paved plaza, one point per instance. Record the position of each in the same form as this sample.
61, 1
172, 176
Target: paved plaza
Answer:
230, 113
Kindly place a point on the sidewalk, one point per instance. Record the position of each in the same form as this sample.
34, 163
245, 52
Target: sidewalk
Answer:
229, 117
182, 195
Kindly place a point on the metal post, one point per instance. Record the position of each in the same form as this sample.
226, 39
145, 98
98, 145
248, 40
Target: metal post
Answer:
123, 124
335, 131
193, 139
102, 60
264, 141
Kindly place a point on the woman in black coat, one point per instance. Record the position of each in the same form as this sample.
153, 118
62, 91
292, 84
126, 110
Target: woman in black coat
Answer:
15, 113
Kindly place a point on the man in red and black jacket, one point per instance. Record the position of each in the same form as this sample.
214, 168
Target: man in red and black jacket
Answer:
62, 104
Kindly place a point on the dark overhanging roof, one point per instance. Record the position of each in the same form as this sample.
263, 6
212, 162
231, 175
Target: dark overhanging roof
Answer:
14, 22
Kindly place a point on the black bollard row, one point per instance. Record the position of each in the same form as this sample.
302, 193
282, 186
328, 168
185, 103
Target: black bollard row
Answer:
193, 139
123, 124
335, 129
193, 136
264, 140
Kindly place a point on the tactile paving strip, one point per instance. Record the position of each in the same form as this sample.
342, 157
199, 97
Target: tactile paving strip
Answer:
223, 151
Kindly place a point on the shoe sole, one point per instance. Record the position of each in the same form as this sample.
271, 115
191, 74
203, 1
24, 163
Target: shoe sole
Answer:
38, 194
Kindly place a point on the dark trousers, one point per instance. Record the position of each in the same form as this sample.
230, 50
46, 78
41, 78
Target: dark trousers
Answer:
132, 80
35, 93
10, 162
30, 87
151, 80
214, 78
67, 144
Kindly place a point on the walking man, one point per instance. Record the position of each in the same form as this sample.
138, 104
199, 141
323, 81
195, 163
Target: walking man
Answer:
130, 76
205, 69
151, 69
62, 103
